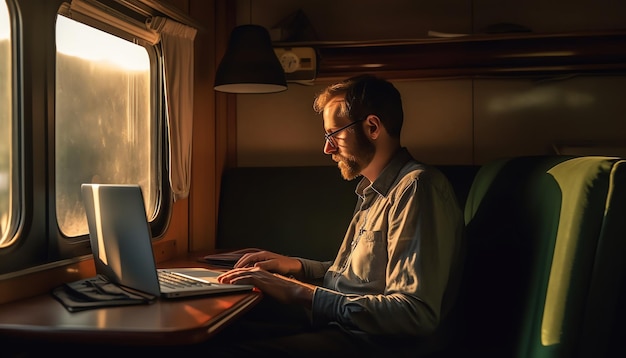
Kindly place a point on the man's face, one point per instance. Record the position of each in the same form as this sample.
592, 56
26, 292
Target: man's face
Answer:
350, 148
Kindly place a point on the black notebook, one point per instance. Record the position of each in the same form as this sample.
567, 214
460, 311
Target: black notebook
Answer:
226, 259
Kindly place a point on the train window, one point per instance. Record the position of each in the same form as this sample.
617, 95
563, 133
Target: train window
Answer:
104, 127
7, 133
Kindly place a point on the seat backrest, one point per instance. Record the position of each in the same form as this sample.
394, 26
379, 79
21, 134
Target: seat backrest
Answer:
533, 229
299, 211
603, 326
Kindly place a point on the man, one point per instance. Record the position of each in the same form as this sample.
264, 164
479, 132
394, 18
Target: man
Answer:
397, 272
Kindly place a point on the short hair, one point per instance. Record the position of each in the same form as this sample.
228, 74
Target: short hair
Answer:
364, 95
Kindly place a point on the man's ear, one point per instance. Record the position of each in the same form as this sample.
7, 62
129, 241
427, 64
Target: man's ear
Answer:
373, 126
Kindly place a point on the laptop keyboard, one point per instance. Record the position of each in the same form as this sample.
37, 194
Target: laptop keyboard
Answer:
173, 280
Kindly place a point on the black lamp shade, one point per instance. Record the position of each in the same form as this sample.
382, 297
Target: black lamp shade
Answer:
250, 64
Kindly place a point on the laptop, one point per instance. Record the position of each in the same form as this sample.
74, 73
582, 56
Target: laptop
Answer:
122, 248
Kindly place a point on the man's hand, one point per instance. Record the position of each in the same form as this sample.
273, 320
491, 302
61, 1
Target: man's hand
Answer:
284, 289
272, 262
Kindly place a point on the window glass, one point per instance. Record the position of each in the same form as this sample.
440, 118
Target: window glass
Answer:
103, 127
7, 141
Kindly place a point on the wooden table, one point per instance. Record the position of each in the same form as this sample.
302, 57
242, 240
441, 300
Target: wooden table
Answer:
165, 322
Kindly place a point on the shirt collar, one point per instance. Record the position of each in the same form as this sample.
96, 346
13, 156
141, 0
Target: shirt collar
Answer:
388, 176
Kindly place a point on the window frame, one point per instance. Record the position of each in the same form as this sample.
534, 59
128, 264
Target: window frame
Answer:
68, 247
40, 245
16, 191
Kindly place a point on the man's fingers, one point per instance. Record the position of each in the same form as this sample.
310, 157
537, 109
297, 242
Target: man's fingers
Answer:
267, 265
228, 276
249, 259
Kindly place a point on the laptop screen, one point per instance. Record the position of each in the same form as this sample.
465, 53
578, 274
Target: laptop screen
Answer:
116, 212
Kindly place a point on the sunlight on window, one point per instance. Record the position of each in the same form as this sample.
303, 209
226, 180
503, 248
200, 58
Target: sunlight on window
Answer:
5, 29
90, 44
103, 130
6, 128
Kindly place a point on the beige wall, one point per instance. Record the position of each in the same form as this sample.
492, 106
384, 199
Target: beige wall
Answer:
449, 122
458, 121
526, 117
282, 129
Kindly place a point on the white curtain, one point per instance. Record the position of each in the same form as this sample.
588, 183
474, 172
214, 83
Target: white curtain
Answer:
177, 45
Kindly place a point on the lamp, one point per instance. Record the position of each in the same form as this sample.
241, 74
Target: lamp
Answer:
250, 64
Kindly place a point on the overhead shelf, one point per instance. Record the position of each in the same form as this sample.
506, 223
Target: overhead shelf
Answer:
521, 54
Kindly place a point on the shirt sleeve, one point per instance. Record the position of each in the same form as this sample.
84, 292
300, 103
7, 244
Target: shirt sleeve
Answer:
422, 239
314, 270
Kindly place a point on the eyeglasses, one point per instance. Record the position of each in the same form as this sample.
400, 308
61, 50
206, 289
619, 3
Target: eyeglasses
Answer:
330, 137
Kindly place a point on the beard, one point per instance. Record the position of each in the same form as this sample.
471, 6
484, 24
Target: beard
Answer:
352, 165
350, 168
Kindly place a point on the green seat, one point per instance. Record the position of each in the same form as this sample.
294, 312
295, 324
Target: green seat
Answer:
536, 228
299, 211
603, 328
